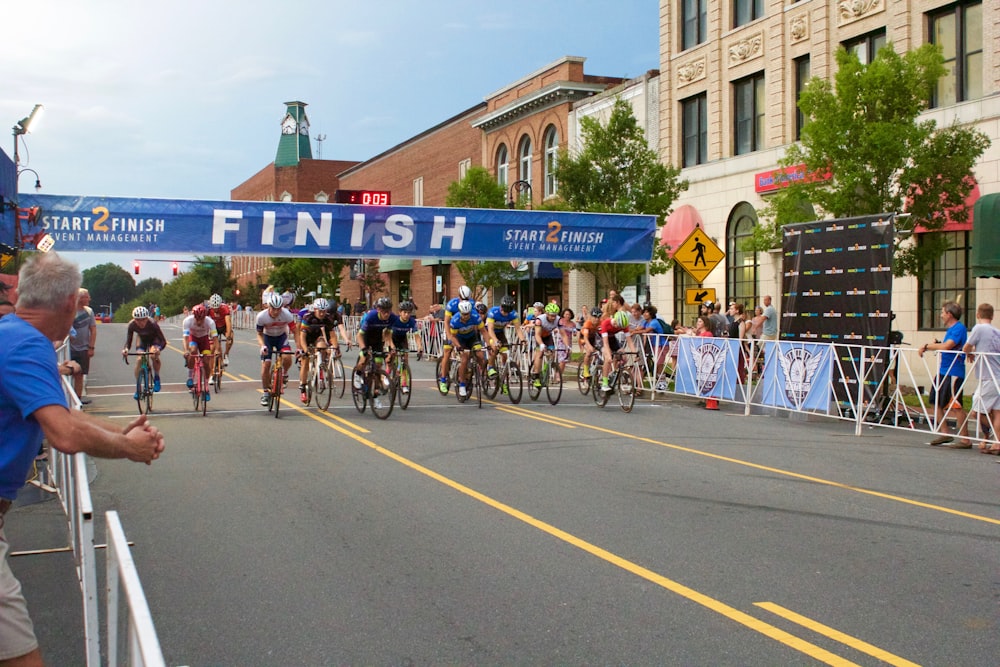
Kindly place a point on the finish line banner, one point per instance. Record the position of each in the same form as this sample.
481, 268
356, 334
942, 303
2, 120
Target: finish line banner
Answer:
293, 229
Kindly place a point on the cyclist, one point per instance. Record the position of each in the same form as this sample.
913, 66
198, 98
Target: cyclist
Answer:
200, 337
613, 321
400, 338
450, 311
589, 338
219, 312
465, 331
316, 330
497, 320
273, 326
545, 326
150, 339
373, 333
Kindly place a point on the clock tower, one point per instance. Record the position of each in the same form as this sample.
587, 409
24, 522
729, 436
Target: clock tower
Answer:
294, 143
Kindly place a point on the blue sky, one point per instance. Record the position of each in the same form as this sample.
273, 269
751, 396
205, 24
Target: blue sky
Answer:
183, 99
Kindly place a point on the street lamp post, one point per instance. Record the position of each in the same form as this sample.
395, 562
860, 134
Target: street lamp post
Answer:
520, 193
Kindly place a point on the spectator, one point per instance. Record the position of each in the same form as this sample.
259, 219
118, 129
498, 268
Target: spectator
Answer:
946, 389
32, 405
756, 327
6, 307
82, 339
985, 339
769, 330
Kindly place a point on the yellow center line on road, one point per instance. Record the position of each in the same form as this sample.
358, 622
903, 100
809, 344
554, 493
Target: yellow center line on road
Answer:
777, 471
528, 415
328, 415
836, 635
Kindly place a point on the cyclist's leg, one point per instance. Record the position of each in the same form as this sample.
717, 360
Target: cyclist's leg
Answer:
304, 362
445, 362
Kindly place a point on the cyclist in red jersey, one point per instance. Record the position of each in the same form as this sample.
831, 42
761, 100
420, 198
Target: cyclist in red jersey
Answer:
222, 316
612, 321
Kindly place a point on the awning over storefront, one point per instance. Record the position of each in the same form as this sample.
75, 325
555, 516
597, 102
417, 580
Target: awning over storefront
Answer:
387, 265
951, 225
434, 262
547, 270
985, 254
679, 226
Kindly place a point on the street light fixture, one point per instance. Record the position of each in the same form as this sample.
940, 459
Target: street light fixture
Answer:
24, 126
38, 179
523, 193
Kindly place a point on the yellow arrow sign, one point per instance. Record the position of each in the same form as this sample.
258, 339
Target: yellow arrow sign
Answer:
695, 296
698, 255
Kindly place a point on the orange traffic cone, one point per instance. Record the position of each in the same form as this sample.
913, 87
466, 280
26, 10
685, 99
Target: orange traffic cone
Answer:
711, 404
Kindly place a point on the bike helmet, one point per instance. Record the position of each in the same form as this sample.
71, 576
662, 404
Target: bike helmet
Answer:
481, 308
407, 307
273, 300
214, 301
464, 293
199, 311
465, 307
507, 304
140, 312
595, 312
552, 309
620, 319
383, 303
321, 304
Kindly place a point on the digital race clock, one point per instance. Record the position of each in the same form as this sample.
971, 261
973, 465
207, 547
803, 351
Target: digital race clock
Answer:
363, 197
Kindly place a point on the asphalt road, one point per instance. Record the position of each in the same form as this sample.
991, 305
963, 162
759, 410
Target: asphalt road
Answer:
532, 534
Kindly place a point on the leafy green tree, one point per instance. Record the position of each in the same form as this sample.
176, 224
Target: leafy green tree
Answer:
148, 285
109, 284
617, 172
480, 190
371, 281
865, 133
303, 274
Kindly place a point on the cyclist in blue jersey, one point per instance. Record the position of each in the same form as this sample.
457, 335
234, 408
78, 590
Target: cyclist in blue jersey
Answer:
373, 334
497, 319
465, 331
401, 331
450, 310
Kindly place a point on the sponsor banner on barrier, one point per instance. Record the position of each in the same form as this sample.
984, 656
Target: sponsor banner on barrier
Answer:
798, 376
294, 229
706, 367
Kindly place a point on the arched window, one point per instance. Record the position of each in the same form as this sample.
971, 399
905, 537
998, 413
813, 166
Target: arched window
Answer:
551, 154
524, 159
742, 265
503, 165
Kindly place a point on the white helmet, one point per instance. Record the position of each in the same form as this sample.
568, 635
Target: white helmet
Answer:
214, 301
274, 300
465, 307
464, 293
140, 312
321, 304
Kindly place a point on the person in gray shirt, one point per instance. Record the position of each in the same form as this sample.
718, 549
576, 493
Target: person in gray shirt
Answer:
985, 339
83, 337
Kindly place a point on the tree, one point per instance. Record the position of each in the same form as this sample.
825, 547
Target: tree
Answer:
148, 285
371, 280
880, 158
109, 284
617, 172
304, 274
480, 190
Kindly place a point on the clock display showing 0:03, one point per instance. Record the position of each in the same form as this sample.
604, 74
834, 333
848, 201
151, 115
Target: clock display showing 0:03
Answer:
363, 197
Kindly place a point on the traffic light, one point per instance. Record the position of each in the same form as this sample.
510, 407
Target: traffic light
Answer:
174, 267
237, 292
135, 267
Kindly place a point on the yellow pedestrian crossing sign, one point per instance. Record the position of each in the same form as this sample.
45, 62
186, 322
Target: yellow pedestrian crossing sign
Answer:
698, 255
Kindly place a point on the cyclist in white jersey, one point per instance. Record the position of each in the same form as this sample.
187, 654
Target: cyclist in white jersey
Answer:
200, 335
273, 326
545, 326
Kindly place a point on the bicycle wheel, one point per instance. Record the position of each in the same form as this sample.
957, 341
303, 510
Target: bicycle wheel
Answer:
491, 383
405, 381
468, 388
277, 385
141, 383
217, 376
583, 382
438, 375
476, 390
383, 394
360, 396
321, 387
600, 396
337, 377
626, 389
196, 387
535, 384
554, 385
515, 384
203, 390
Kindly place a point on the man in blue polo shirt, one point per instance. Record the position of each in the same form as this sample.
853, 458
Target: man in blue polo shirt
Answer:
946, 389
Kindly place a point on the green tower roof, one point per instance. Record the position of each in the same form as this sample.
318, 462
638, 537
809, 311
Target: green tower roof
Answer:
294, 144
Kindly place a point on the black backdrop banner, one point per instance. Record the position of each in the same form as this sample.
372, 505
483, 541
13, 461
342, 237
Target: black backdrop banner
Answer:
837, 288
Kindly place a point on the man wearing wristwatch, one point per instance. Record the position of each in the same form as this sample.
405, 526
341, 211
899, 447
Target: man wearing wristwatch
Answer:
83, 337
946, 388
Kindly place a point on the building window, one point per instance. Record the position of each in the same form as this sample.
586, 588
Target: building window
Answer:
801, 78
463, 167
745, 11
683, 313
748, 128
959, 33
694, 19
948, 279
867, 46
503, 165
551, 155
418, 191
694, 115
742, 265
524, 159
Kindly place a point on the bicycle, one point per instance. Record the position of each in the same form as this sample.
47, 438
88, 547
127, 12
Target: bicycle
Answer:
319, 382
622, 381
473, 378
550, 378
508, 379
399, 369
585, 382
143, 381
452, 379
377, 387
277, 383
199, 392
217, 375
